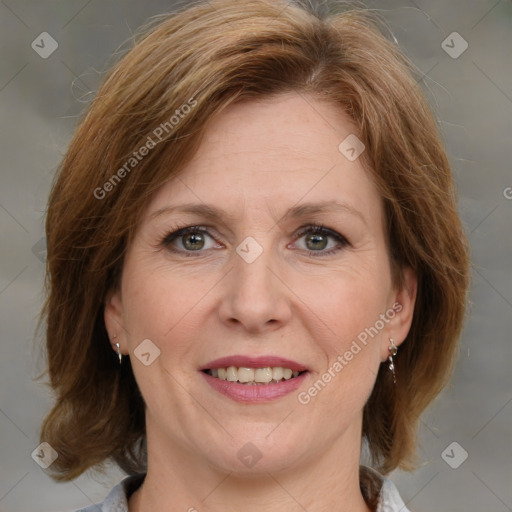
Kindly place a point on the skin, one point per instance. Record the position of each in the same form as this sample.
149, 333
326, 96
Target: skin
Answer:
258, 160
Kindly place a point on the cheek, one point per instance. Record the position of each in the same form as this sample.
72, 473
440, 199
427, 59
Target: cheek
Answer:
348, 323
351, 350
158, 305
351, 301
155, 297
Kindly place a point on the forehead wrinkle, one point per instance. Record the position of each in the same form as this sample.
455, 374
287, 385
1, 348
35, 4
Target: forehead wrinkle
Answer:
297, 211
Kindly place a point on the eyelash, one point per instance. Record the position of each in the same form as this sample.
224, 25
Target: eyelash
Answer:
178, 231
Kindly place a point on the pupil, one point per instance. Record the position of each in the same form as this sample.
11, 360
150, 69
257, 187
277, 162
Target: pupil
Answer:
196, 241
315, 239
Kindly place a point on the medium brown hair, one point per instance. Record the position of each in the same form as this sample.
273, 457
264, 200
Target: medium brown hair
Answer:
211, 55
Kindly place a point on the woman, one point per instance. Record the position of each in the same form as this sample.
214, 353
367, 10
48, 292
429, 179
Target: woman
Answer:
255, 264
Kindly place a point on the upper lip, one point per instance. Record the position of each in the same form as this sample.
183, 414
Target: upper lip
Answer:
254, 362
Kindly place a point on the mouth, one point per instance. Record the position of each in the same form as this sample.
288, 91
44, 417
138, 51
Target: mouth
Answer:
254, 379
254, 376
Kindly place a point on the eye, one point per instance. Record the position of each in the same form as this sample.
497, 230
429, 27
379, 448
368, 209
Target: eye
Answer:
196, 239
189, 239
317, 238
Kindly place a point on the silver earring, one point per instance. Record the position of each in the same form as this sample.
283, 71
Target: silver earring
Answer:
392, 352
119, 355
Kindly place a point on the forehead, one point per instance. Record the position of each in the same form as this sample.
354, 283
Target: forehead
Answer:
274, 152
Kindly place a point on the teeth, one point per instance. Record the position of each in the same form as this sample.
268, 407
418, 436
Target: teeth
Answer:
252, 376
231, 374
245, 374
263, 375
277, 373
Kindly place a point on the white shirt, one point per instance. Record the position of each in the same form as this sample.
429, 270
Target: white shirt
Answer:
372, 483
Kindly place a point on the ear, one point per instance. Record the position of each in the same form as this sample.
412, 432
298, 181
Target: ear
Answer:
403, 307
113, 316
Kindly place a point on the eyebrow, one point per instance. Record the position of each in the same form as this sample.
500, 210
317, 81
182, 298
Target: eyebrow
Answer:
301, 210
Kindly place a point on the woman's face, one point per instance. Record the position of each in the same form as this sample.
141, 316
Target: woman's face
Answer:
254, 285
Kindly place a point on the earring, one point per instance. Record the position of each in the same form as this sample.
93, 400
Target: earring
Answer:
392, 352
118, 350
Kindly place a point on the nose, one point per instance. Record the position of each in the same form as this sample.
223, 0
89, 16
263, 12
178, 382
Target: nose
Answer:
255, 297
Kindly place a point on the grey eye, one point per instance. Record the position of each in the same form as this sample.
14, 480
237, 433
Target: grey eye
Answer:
193, 241
316, 242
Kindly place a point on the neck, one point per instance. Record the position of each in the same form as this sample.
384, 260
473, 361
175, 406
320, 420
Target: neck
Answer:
177, 480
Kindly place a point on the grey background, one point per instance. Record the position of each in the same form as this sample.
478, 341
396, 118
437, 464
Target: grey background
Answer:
40, 101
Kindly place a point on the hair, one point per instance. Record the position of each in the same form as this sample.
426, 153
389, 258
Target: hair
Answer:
208, 56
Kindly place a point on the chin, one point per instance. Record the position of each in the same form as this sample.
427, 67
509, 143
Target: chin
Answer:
253, 453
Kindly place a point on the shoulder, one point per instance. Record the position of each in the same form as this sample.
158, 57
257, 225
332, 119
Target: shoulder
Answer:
117, 498
381, 491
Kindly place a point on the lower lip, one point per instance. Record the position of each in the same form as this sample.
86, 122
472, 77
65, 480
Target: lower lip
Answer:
254, 393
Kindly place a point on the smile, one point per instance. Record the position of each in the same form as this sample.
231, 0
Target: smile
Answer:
253, 376
252, 391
